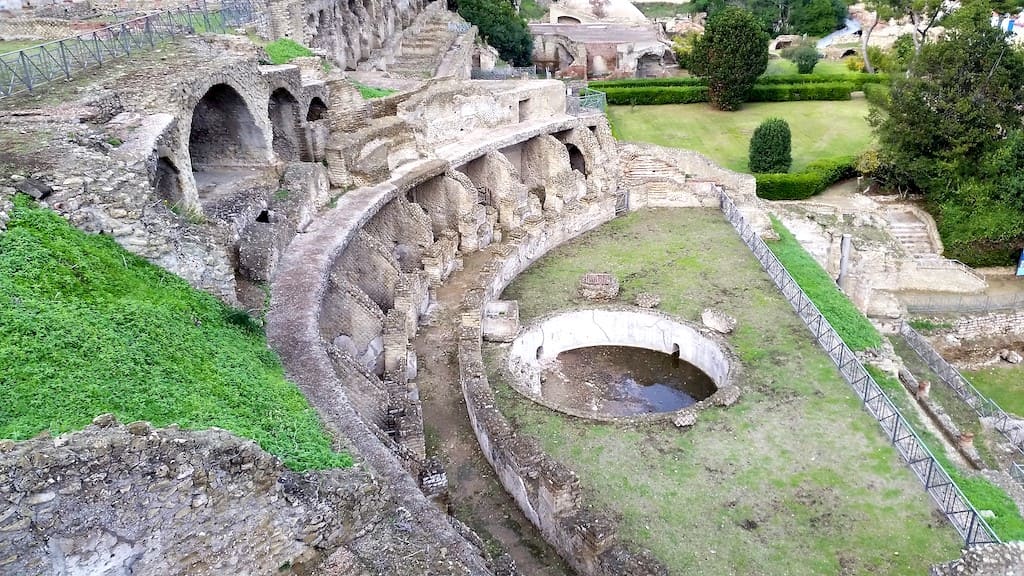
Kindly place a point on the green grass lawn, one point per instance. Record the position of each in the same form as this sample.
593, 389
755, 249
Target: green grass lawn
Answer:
820, 129
794, 479
783, 66
88, 328
1004, 384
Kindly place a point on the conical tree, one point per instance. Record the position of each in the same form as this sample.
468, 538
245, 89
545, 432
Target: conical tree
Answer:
770, 147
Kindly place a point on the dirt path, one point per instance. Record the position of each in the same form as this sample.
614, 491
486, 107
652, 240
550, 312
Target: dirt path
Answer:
477, 497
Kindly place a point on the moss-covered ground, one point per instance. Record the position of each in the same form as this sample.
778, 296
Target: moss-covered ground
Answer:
794, 479
87, 328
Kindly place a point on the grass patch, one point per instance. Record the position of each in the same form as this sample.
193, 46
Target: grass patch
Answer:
370, 92
984, 495
926, 325
1003, 384
778, 66
852, 326
794, 479
530, 10
285, 50
88, 328
819, 129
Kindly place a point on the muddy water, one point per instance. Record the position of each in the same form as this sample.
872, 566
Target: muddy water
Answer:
476, 496
623, 381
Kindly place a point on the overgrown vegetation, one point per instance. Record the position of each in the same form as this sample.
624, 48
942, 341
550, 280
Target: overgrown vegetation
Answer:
951, 129
88, 328
285, 50
771, 147
852, 326
812, 17
371, 92
530, 10
500, 26
981, 493
730, 55
794, 479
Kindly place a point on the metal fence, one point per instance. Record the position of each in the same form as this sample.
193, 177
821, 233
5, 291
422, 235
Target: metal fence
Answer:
26, 70
946, 494
587, 102
961, 303
983, 405
505, 73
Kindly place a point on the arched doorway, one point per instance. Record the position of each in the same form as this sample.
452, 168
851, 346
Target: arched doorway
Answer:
223, 136
576, 159
317, 110
283, 110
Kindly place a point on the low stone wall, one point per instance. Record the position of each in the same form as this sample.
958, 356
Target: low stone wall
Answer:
996, 324
115, 499
42, 29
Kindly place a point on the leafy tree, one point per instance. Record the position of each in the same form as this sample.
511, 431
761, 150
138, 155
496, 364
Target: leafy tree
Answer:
682, 46
501, 27
955, 107
805, 58
730, 55
815, 17
770, 147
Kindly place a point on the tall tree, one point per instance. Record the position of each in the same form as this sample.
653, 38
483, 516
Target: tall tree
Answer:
730, 55
957, 104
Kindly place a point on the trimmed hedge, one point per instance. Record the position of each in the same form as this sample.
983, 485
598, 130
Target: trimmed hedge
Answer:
818, 175
858, 80
657, 95
650, 95
796, 92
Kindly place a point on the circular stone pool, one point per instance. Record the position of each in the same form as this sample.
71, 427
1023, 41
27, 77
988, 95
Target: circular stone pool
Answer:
615, 364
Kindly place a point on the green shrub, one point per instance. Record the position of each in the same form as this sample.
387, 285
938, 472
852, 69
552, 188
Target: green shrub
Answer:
805, 57
877, 94
501, 27
645, 82
797, 92
657, 95
771, 147
856, 80
848, 322
818, 175
88, 328
285, 50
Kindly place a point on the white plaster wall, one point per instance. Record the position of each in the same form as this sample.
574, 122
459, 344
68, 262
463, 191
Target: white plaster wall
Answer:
634, 328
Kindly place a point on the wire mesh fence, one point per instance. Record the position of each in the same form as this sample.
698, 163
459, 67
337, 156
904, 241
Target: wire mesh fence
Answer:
937, 482
961, 303
504, 73
983, 405
587, 102
28, 69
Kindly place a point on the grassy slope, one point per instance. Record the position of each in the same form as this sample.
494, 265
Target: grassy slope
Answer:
87, 328
795, 479
781, 66
852, 326
820, 129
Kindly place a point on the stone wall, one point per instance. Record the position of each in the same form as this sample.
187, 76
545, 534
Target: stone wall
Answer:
995, 324
116, 499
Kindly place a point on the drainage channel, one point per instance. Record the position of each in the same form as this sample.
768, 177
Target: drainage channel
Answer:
476, 495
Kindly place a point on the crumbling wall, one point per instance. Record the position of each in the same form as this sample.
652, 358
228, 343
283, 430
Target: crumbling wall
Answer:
116, 499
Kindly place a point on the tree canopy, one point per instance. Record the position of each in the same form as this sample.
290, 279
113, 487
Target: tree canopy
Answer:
501, 27
730, 55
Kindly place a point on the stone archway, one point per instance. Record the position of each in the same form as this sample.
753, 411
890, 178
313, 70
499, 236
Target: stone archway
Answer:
576, 159
317, 110
223, 136
284, 111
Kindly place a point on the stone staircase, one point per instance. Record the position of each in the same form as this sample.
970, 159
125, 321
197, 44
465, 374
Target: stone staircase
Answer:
656, 176
423, 46
912, 234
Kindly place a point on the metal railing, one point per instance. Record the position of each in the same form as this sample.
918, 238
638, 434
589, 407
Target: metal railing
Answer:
506, 73
939, 263
28, 69
984, 406
588, 102
962, 303
937, 482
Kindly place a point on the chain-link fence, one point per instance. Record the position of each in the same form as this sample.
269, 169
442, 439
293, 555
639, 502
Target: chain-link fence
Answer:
26, 70
946, 494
